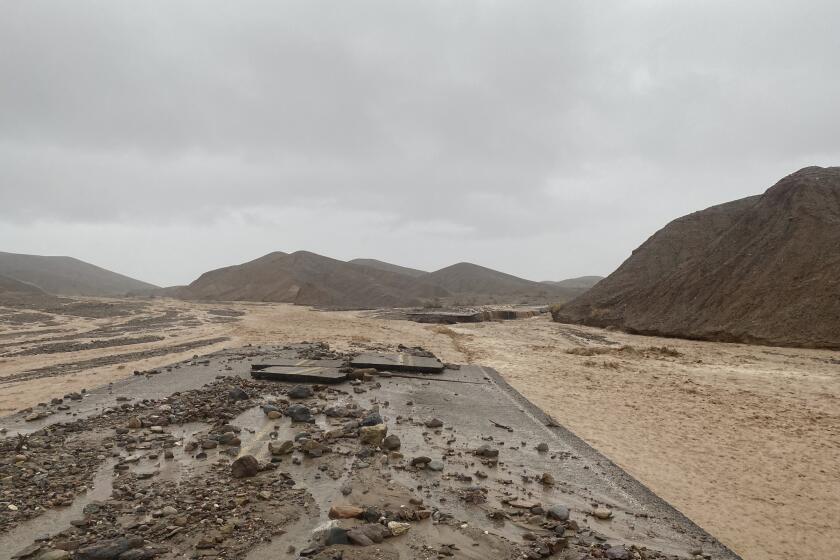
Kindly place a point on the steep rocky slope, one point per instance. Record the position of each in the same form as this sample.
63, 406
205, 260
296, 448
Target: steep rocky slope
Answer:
763, 269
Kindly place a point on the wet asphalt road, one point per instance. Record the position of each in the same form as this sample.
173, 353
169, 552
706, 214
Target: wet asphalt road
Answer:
472, 403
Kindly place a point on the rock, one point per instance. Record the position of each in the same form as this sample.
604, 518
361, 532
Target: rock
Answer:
435, 466
54, 554
398, 528
281, 448
371, 419
547, 479
358, 537
421, 461
229, 438
434, 423
244, 467
138, 554
618, 553
542, 447
602, 513
135, 423
558, 512
238, 394
362, 373
487, 451
28, 551
366, 535
336, 411
299, 413
373, 435
336, 535
313, 448
346, 512
391, 443
108, 550
301, 392
274, 414
169, 510
209, 444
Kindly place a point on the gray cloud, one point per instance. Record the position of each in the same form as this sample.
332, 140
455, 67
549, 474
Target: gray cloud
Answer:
547, 139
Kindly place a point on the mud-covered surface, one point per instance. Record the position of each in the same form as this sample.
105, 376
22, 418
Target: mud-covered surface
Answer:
199, 460
66, 339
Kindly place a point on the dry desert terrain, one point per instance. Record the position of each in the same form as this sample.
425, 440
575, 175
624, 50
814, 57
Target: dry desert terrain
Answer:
745, 440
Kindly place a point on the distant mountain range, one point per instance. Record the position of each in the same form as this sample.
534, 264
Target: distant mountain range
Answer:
763, 269
582, 283
309, 279
67, 276
302, 278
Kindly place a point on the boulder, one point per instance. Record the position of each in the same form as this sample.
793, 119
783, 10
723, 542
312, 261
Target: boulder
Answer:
244, 467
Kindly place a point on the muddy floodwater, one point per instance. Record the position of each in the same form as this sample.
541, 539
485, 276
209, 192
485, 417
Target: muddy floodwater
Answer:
743, 439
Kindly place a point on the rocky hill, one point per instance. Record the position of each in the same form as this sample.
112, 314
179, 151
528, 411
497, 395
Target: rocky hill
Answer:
308, 279
67, 276
763, 269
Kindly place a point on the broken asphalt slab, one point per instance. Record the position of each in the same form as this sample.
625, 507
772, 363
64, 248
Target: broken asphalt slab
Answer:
402, 362
498, 477
305, 374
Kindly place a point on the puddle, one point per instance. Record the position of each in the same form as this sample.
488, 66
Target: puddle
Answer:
56, 520
182, 466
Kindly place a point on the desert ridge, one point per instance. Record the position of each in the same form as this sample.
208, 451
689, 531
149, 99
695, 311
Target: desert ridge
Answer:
763, 270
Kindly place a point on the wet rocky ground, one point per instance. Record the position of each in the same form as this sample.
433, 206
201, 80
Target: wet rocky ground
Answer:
198, 460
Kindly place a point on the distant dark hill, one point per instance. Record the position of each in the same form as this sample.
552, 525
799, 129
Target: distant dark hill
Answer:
482, 285
471, 278
581, 283
308, 279
67, 276
763, 269
381, 265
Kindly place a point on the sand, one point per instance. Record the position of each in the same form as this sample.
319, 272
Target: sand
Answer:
745, 440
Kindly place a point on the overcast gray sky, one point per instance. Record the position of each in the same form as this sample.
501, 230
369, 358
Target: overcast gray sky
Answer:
545, 139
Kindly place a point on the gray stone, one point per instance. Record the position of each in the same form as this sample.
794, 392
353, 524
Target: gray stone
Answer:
299, 413
336, 535
108, 550
558, 512
280, 448
301, 392
391, 443
618, 553
238, 394
372, 419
